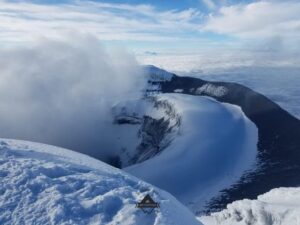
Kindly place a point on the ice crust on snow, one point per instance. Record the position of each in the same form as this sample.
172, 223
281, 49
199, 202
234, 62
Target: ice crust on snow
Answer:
280, 206
42, 184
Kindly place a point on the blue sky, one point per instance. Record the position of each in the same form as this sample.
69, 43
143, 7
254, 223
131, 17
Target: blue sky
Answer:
162, 4
157, 26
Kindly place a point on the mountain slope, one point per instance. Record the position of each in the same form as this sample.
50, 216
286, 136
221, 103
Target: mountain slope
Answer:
43, 184
213, 146
278, 159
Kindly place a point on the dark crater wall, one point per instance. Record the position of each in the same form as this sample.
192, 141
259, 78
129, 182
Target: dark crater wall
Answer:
153, 136
278, 145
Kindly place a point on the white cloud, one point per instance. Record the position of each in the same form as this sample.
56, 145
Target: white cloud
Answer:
269, 54
24, 21
61, 92
262, 19
209, 3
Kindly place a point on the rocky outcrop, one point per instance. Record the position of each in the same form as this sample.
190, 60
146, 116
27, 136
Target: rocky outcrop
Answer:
154, 133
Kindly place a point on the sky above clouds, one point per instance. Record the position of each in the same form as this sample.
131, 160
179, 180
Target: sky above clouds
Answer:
189, 25
219, 32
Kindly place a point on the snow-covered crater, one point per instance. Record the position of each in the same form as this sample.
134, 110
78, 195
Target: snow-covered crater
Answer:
215, 145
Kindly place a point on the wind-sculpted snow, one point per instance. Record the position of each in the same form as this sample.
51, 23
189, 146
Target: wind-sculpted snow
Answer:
213, 147
41, 184
280, 206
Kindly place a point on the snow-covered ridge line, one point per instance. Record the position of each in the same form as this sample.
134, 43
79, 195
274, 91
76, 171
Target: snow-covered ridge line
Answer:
280, 206
157, 75
42, 184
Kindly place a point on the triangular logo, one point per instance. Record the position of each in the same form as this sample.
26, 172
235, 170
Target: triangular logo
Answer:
147, 204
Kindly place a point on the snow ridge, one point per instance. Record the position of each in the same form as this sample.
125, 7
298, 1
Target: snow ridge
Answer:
41, 184
157, 75
276, 207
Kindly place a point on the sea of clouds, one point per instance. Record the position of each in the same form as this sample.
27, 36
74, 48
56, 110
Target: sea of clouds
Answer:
271, 70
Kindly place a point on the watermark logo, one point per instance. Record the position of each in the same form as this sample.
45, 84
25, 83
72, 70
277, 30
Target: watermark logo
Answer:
147, 205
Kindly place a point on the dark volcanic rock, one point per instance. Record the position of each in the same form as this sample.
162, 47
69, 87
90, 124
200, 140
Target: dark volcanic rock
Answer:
152, 134
278, 162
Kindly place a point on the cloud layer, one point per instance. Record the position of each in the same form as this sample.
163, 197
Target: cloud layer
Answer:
61, 92
217, 24
260, 19
21, 21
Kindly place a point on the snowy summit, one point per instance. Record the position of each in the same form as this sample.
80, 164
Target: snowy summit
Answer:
42, 184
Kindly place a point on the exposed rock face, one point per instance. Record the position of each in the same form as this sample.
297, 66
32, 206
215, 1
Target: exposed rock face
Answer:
278, 162
154, 133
